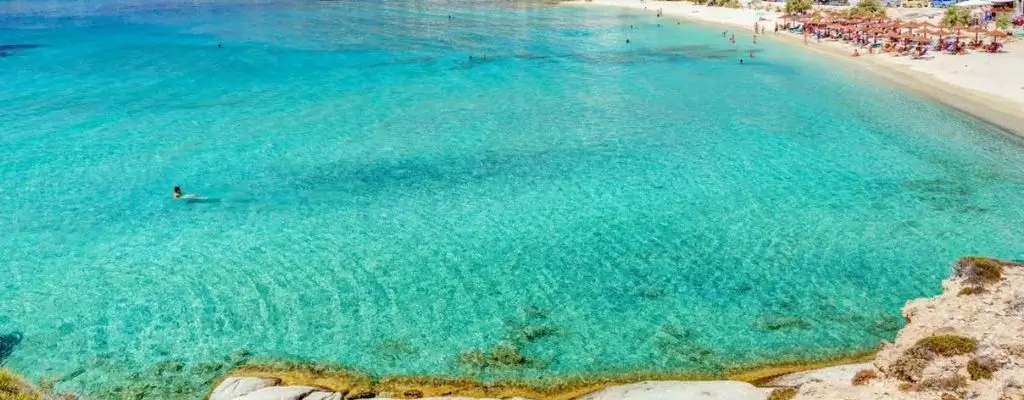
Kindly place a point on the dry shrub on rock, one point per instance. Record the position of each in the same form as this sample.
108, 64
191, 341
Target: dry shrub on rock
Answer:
863, 377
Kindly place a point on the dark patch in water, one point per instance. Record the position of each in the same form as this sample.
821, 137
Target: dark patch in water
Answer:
682, 347
7, 344
169, 379
773, 322
13, 47
941, 194
9, 50
396, 351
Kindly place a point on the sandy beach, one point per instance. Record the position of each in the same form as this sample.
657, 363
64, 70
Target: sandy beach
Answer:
987, 86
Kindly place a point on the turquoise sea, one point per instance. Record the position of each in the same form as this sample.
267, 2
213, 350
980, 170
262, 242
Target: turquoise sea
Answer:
394, 183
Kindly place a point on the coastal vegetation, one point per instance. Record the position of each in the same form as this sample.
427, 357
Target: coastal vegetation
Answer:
910, 365
798, 6
719, 3
979, 270
863, 377
783, 394
981, 368
1003, 21
948, 345
13, 387
971, 290
868, 8
956, 16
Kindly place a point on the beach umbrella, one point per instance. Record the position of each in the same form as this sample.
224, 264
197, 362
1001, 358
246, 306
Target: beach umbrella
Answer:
977, 30
974, 3
997, 34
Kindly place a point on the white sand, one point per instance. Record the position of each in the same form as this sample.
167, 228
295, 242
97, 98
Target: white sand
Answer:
988, 86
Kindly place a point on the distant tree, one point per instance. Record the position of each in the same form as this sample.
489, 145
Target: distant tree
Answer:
868, 7
1003, 21
798, 6
956, 16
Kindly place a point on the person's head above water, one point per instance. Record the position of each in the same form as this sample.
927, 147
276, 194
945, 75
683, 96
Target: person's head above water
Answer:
177, 191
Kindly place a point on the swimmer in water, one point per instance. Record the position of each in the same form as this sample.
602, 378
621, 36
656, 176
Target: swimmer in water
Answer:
177, 192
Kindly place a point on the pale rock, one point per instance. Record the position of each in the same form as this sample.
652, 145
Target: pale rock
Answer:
320, 395
672, 390
279, 393
234, 387
840, 374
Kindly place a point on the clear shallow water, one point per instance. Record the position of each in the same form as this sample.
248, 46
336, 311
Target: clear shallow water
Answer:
382, 201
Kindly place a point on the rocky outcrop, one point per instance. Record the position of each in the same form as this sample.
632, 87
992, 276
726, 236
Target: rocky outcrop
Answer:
281, 393
235, 387
661, 390
967, 343
839, 373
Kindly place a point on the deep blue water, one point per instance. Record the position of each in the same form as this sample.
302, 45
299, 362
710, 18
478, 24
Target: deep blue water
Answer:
380, 199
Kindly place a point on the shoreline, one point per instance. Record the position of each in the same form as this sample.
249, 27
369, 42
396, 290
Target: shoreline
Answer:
353, 381
964, 340
1003, 112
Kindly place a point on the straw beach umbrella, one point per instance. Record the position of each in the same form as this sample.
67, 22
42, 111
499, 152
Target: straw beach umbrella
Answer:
997, 34
976, 30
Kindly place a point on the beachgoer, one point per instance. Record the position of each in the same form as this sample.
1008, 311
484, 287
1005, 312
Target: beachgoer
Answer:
177, 192
751, 54
741, 61
856, 53
627, 40
219, 45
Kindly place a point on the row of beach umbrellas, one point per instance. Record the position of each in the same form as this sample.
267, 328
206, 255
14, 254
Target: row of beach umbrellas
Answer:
892, 28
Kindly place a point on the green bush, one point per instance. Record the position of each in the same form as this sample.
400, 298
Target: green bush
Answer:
971, 290
948, 345
13, 388
980, 368
863, 377
798, 6
937, 384
955, 16
868, 7
986, 270
910, 364
979, 270
1003, 21
783, 394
